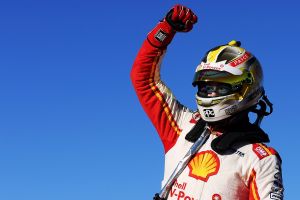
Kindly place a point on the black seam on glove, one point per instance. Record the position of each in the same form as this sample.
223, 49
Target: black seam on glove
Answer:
177, 26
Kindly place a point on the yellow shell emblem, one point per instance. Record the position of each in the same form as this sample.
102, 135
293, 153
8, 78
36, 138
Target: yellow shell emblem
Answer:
204, 165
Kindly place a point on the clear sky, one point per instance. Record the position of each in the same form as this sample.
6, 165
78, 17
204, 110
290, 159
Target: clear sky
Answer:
71, 127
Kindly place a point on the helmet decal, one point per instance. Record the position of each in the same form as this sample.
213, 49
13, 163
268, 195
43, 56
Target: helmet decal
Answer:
219, 66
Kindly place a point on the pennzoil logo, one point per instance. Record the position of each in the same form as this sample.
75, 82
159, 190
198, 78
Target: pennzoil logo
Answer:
204, 165
261, 151
240, 60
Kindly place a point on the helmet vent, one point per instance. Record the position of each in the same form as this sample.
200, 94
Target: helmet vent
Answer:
228, 54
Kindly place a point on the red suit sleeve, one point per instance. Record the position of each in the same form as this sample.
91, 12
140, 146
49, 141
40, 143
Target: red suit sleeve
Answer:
165, 112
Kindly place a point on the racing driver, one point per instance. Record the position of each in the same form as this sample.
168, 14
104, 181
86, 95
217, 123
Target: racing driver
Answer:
233, 163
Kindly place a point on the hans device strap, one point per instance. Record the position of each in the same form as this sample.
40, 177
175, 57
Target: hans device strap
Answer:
196, 131
183, 163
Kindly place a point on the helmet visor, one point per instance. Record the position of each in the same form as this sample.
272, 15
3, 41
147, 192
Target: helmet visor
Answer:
220, 77
215, 89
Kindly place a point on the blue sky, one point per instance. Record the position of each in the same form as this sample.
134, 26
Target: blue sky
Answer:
71, 126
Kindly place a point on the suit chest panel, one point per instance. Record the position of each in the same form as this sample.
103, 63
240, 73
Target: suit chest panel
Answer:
208, 175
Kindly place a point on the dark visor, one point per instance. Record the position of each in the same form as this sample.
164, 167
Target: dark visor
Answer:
218, 76
215, 89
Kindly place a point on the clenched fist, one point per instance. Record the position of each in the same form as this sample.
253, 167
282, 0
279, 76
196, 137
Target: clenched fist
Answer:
178, 19
181, 18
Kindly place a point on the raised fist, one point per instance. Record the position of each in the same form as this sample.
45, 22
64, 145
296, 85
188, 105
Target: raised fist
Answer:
181, 18
178, 19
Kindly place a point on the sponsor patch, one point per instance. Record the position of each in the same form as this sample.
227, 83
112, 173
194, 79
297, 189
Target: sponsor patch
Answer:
204, 165
160, 35
277, 187
219, 66
209, 112
260, 151
241, 154
178, 191
181, 186
231, 110
240, 60
276, 196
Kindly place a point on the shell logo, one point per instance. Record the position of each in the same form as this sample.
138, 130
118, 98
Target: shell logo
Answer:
204, 165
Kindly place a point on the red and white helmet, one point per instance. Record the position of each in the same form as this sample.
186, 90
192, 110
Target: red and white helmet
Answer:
229, 80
